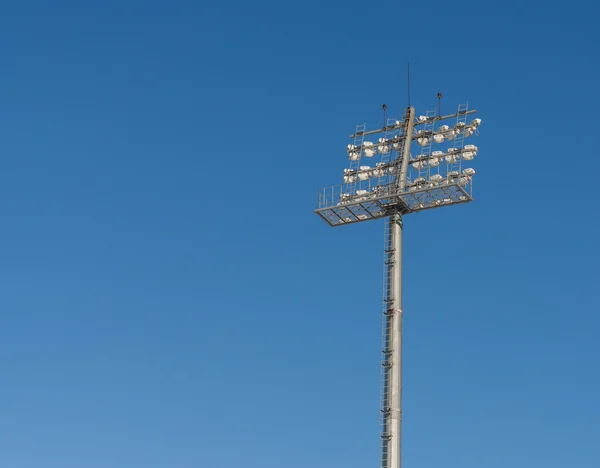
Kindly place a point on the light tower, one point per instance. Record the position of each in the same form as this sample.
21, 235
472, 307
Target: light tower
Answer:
400, 184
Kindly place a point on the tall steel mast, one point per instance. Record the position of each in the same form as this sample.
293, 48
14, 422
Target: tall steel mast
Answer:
400, 184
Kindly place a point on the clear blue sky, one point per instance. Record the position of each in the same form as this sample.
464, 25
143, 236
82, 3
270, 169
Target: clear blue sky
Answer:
169, 299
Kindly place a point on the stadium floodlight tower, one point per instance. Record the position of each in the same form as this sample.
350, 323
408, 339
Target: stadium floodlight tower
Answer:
398, 184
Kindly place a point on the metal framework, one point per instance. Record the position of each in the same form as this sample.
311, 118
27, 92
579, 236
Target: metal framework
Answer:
400, 184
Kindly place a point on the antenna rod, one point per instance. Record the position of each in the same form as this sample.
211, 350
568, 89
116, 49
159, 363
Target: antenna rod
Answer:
408, 81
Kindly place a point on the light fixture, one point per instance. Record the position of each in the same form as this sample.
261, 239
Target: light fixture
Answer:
436, 158
379, 170
364, 172
349, 176
369, 149
452, 156
419, 164
451, 134
344, 198
384, 146
452, 175
360, 195
353, 154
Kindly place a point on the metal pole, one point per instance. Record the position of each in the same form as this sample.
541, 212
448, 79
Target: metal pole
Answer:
394, 404
395, 393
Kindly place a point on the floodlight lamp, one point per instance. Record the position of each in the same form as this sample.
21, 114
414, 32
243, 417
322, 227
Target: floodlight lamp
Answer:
360, 195
353, 154
364, 172
397, 145
384, 146
451, 157
468, 155
468, 132
476, 122
470, 172
435, 159
349, 176
451, 134
344, 198
379, 170
419, 164
422, 141
436, 178
369, 149
417, 184
439, 138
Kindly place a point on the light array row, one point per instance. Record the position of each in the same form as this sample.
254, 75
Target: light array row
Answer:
420, 183
438, 179
366, 172
445, 132
370, 149
423, 137
451, 156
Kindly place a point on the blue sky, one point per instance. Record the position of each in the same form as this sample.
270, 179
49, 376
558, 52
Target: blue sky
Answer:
169, 299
